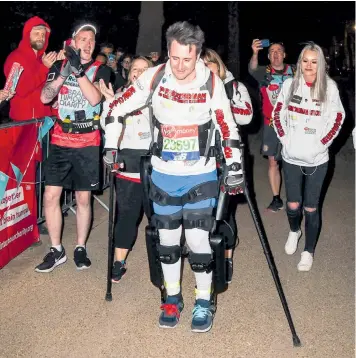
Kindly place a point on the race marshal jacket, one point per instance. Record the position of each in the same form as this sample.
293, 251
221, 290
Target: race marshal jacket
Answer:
305, 126
240, 100
180, 111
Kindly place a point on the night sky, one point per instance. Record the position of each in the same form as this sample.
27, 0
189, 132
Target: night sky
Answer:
287, 21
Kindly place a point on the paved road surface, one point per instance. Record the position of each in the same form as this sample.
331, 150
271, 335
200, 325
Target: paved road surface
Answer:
64, 314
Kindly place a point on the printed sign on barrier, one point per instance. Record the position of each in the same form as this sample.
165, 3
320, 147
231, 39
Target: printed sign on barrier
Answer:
18, 210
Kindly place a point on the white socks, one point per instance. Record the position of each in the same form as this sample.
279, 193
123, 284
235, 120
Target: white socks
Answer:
171, 272
58, 247
198, 242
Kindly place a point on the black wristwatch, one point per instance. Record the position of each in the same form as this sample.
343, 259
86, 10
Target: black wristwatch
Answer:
81, 74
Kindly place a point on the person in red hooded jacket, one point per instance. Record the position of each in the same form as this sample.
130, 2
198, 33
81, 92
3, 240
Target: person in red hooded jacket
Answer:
25, 103
30, 54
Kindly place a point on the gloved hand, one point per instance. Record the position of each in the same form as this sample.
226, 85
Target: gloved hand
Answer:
73, 57
66, 70
112, 160
232, 183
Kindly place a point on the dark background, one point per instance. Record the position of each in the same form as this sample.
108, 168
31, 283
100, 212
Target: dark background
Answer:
289, 22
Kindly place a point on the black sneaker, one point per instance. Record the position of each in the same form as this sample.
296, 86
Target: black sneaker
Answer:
81, 258
276, 205
53, 259
118, 271
229, 269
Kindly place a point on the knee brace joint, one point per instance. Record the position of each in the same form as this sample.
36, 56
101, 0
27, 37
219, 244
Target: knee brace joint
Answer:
169, 254
201, 262
199, 219
168, 222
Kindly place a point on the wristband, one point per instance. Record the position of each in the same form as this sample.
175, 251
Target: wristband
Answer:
80, 74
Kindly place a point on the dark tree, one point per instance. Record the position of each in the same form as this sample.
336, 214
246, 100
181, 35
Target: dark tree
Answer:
233, 59
151, 20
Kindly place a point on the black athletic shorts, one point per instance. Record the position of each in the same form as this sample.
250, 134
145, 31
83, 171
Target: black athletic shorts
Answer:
269, 141
73, 168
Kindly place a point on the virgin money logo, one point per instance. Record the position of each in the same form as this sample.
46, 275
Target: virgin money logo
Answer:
169, 131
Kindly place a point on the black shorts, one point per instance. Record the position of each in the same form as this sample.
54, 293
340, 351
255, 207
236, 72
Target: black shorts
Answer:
269, 141
73, 168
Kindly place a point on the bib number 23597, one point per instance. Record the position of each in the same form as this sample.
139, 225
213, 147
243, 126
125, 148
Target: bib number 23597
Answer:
180, 142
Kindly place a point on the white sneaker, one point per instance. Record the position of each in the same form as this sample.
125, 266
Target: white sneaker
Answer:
306, 261
292, 242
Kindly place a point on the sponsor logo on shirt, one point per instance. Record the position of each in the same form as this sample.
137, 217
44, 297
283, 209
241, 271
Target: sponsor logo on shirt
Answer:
182, 97
308, 130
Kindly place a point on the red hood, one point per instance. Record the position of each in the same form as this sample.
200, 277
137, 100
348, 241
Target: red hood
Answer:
25, 44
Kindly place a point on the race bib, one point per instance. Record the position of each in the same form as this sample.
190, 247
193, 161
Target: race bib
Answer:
180, 142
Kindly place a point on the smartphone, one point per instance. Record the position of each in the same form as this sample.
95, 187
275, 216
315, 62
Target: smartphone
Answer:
265, 43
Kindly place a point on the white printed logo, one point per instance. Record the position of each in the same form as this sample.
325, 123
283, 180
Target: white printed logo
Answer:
50, 77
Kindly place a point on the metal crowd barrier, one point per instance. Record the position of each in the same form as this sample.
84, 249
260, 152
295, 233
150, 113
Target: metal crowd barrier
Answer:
68, 196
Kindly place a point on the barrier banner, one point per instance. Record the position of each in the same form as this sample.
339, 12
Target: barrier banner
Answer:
19, 147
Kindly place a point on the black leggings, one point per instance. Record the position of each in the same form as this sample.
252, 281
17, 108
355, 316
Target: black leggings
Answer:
294, 175
129, 212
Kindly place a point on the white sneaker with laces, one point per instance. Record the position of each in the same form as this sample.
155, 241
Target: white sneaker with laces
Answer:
292, 242
306, 261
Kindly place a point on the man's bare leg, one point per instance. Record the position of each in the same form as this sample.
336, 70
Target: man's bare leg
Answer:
274, 176
53, 213
83, 215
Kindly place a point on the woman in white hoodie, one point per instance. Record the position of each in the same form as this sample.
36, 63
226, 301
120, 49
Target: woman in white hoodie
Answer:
307, 117
241, 109
134, 142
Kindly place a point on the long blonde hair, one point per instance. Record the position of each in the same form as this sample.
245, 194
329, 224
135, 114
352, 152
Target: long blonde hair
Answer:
319, 87
210, 55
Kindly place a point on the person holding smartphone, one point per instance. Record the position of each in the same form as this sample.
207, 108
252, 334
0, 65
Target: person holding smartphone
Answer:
270, 79
116, 78
74, 158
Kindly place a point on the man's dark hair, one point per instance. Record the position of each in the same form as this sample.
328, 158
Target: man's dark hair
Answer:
103, 55
185, 34
107, 45
277, 43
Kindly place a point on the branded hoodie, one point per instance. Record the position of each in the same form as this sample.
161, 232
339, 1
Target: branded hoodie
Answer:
26, 104
136, 137
180, 109
305, 126
241, 106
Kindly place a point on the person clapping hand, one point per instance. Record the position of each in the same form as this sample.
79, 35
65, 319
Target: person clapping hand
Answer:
6, 95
